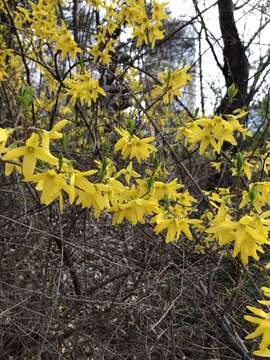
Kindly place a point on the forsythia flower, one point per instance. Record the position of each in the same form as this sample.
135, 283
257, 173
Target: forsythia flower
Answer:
248, 234
4, 134
102, 52
146, 27
78, 180
65, 43
134, 210
133, 147
175, 222
159, 12
128, 173
51, 185
171, 83
169, 190
97, 196
53, 134
246, 169
262, 320
31, 152
84, 88
210, 131
262, 195
106, 168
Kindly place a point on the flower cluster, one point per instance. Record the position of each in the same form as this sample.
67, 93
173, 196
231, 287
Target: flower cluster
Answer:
212, 131
133, 147
249, 233
135, 200
84, 88
170, 84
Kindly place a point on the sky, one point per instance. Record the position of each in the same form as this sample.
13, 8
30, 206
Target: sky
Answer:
181, 7
248, 19
184, 9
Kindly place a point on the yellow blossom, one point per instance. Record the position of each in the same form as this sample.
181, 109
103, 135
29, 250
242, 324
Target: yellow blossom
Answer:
51, 185
211, 132
84, 88
134, 210
53, 134
262, 321
96, 196
171, 83
169, 190
248, 234
174, 221
133, 147
31, 152
128, 173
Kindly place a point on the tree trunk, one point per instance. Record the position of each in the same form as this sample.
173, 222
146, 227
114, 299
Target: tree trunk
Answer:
236, 65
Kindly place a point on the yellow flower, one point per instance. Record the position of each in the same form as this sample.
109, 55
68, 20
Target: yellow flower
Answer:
171, 83
96, 196
4, 133
212, 131
162, 190
78, 180
31, 152
134, 210
154, 34
84, 88
133, 147
248, 234
9, 168
65, 43
52, 134
159, 12
246, 169
262, 320
51, 185
201, 131
128, 173
216, 165
174, 222
101, 56
106, 168
262, 195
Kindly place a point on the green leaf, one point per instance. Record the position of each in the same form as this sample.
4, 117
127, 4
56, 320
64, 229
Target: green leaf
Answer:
253, 192
65, 141
81, 63
232, 91
196, 112
149, 183
26, 96
239, 163
155, 162
130, 126
61, 158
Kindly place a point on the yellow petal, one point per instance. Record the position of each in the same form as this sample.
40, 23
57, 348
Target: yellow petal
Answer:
257, 311
59, 126
15, 153
29, 163
45, 156
262, 353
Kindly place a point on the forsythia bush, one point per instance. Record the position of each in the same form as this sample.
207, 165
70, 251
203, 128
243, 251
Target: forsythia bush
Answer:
65, 93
